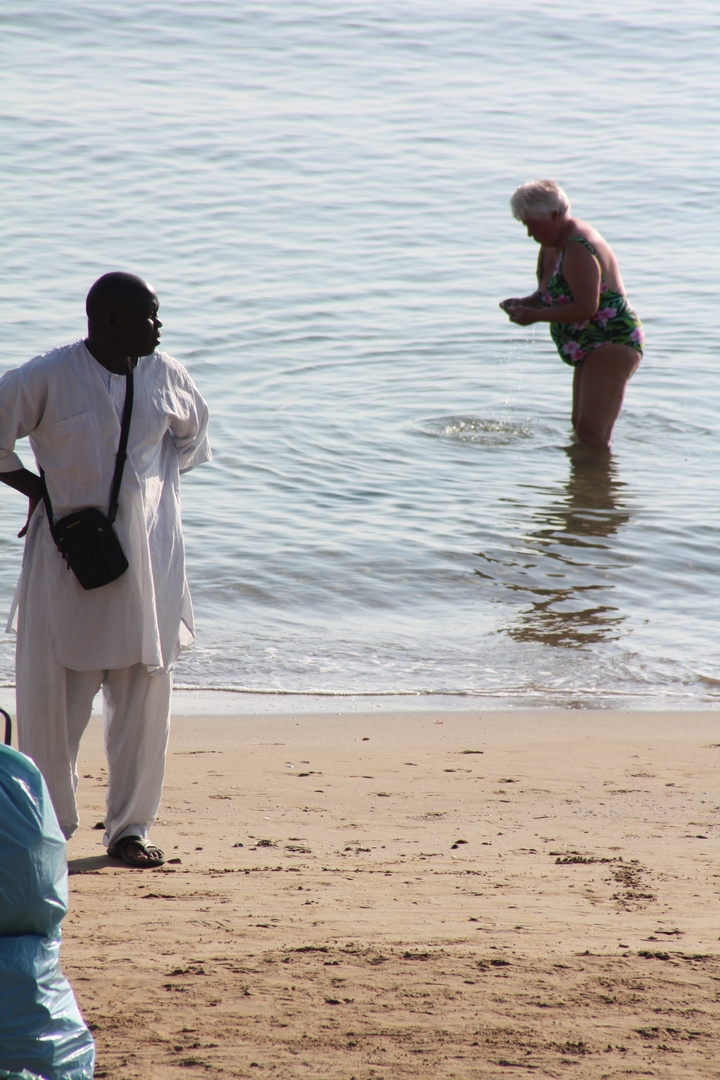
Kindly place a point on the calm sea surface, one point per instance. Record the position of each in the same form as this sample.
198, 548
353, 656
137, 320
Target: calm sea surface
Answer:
319, 192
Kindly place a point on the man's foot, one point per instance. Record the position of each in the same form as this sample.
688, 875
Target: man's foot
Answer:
136, 851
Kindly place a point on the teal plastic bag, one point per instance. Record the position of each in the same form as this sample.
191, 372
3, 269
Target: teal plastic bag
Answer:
42, 1034
33, 864
41, 1029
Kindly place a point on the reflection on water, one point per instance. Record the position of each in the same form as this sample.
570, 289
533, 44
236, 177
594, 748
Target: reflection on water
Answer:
566, 565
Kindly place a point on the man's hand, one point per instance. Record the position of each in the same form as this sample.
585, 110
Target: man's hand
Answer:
31, 511
27, 483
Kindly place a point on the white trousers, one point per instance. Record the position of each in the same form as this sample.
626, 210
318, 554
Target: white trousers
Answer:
54, 704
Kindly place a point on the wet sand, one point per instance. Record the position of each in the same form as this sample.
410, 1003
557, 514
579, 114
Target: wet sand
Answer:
410, 894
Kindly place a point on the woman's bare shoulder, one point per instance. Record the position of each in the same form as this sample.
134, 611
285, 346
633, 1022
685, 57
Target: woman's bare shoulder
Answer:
587, 232
605, 254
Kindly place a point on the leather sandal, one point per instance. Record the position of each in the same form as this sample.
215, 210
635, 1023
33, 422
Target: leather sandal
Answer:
137, 852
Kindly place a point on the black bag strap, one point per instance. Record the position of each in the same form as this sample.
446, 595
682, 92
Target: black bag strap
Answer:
120, 459
8, 727
121, 456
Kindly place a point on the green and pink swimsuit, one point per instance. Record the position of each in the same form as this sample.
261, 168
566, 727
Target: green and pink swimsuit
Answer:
614, 322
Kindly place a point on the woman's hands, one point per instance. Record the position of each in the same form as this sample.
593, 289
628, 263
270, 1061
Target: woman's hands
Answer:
522, 312
519, 312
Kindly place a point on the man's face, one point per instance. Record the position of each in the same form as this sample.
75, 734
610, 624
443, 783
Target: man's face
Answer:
137, 324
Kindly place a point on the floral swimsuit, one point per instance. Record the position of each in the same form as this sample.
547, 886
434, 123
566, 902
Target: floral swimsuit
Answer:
614, 322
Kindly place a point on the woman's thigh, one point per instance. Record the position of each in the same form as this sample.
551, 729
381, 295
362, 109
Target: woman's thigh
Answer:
599, 390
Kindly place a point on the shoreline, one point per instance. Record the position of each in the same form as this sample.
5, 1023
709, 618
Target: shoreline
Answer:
420, 893
228, 702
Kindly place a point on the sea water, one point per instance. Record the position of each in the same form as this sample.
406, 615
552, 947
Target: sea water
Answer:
319, 192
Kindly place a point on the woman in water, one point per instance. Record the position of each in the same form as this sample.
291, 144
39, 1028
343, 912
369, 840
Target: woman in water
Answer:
581, 294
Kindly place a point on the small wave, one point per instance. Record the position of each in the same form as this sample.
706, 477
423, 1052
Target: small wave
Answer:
581, 696
477, 430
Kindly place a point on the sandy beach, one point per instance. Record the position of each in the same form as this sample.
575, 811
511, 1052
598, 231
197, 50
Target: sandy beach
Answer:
463, 894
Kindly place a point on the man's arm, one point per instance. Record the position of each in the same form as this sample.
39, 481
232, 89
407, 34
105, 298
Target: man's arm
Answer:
23, 395
188, 424
27, 483
24, 481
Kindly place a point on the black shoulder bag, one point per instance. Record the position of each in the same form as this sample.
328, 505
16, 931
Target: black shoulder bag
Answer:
86, 538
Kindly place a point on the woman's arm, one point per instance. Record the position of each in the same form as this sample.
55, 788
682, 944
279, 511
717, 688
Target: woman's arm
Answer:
582, 273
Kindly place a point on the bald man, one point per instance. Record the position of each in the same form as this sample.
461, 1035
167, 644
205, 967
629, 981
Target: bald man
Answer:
123, 637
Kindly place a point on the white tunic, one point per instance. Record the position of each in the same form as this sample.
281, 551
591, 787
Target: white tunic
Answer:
68, 407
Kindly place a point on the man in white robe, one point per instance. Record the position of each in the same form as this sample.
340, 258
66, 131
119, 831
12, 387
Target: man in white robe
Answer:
123, 637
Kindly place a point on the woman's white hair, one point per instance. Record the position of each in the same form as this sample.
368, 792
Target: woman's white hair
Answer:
538, 199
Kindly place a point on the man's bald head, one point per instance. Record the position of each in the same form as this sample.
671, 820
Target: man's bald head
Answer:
114, 290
